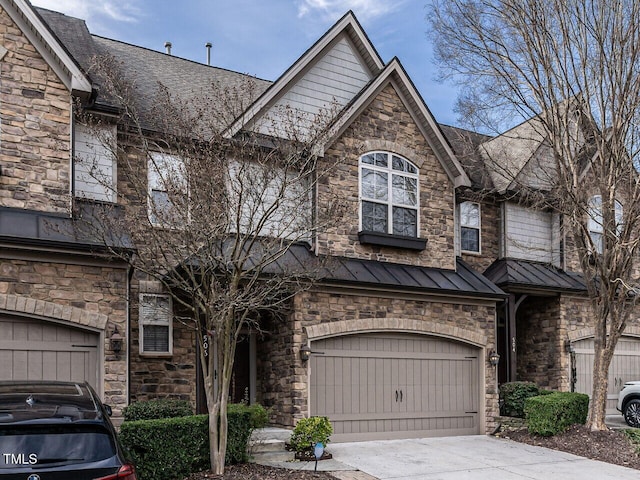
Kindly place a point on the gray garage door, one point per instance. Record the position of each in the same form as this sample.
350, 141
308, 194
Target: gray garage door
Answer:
38, 350
625, 366
377, 386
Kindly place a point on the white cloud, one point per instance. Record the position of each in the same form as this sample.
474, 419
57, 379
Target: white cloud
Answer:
332, 9
96, 11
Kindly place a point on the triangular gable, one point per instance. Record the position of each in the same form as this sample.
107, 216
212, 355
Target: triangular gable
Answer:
328, 75
47, 45
395, 75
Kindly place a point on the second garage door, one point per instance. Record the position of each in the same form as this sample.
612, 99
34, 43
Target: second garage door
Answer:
38, 350
380, 386
625, 367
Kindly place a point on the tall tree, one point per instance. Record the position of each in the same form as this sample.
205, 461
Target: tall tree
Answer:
572, 66
216, 218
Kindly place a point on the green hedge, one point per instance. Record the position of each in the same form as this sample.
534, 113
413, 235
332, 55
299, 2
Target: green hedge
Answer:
155, 409
173, 448
513, 396
551, 414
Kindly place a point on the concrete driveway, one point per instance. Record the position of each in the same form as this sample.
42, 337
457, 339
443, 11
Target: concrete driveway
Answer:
470, 458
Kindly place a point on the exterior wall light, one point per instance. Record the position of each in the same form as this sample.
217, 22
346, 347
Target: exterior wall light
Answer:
305, 353
494, 358
116, 341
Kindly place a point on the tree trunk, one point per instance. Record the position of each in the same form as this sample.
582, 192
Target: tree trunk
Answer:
598, 405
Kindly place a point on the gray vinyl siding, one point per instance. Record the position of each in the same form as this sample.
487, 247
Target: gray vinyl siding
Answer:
335, 79
531, 234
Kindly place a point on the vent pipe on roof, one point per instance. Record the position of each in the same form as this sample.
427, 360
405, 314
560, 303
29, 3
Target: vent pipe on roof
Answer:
167, 46
208, 46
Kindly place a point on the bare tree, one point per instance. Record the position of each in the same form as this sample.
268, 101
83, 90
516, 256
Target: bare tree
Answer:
571, 66
216, 218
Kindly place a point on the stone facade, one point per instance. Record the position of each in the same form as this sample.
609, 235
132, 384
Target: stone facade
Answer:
161, 375
490, 231
284, 378
35, 110
76, 291
387, 125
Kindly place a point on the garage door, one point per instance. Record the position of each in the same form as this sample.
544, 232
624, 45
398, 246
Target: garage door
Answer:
375, 386
625, 366
38, 350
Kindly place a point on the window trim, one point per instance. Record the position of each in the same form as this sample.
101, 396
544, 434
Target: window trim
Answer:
593, 226
478, 228
388, 238
142, 322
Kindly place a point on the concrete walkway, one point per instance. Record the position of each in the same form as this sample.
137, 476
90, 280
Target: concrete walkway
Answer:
476, 457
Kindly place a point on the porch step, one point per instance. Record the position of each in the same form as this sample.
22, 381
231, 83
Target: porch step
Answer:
273, 458
267, 446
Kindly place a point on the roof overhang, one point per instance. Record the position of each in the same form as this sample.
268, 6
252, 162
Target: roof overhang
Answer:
48, 45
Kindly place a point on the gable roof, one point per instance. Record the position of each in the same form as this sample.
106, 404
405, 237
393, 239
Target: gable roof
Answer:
49, 46
394, 74
349, 27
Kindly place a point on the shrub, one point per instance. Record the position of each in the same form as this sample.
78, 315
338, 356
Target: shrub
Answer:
259, 416
551, 414
513, 396
155, 409
309, 431
169, 448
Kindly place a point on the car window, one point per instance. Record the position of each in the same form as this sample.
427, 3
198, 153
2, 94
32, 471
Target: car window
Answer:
53, 446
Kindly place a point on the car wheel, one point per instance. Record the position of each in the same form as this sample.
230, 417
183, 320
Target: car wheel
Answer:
632, 413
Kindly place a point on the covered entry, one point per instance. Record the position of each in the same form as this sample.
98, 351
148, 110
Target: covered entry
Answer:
625, 366
40, 350
385, 386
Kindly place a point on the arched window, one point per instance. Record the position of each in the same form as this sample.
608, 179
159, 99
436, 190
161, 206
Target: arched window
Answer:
389, 195
596, 221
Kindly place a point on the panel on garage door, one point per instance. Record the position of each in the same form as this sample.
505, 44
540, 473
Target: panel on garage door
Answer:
375, 386
625, 366
39, 350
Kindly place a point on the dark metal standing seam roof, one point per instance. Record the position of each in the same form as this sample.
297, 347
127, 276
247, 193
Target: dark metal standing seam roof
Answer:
463, 281
511, 273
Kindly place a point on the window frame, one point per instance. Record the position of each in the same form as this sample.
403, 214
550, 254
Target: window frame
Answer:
470, 227
596, 227
155, 180
389, 203
142, 322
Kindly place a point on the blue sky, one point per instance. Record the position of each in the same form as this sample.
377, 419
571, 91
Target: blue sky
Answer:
264, 37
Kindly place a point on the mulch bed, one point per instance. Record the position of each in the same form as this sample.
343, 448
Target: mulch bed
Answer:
609, 446
252, 471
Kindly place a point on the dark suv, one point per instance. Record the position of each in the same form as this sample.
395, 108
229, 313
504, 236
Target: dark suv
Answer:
56, 431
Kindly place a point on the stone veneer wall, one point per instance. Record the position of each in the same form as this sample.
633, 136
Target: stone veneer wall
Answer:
35, 112
540, 343
76, 291
490, 231
284, 379
162, 375
387, 125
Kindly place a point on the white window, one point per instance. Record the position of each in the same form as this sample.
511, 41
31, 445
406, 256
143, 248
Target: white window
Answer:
596, 221
156, 326
470, 227
95, 162
167, 190
388, 195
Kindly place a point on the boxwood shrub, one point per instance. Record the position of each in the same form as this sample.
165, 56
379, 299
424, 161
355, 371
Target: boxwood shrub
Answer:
173, 448
154, 409
309, 431
513, 396
551, 414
